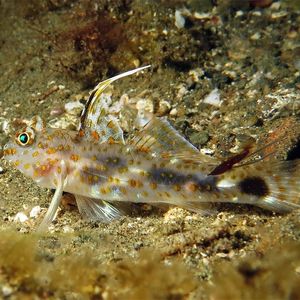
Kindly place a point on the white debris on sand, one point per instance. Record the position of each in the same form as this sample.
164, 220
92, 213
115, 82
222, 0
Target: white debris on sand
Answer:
179, 19
213, 98
74, 108
35, 211
20, 217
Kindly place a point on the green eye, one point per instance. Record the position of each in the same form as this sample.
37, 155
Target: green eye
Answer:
23, 138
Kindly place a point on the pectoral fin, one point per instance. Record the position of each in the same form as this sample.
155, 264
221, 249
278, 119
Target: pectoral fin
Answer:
50, 215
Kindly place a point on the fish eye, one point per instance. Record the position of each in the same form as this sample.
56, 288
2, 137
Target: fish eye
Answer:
23, 139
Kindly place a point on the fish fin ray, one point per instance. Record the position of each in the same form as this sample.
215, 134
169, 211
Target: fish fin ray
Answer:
160, 139
203, 208
97, 210
56, 199
96, 121
272, 185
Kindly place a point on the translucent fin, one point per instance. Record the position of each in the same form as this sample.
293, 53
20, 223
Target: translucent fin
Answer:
49, 217
284, 186
160, 139
96, 122
104, 84
159, 136
97, 210
270, 185
274, 204
203, 208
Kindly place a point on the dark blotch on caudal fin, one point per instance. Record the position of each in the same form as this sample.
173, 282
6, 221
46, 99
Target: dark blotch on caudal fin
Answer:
255, 186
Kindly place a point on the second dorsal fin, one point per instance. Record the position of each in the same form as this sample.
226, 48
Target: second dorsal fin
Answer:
160, 139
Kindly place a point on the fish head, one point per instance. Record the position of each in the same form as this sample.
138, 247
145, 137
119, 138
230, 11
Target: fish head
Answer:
26, 151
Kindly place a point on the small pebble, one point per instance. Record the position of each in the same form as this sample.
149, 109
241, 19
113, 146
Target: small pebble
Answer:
213, 98
174, 112
179, 19
2, 170
35, 211
74, 108
145, 105
20, 217
68, 229
256, 36
199, 138
7, 290
57, 111
163, 108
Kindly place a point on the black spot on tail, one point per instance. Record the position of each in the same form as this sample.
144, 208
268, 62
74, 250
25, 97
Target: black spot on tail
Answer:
255, 186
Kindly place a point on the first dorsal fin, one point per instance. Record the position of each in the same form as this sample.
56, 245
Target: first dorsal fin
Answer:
96, 122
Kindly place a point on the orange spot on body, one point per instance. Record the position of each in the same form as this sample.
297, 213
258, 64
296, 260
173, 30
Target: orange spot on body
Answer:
132, 183
27, 166
191, 187
51, 150
42, 146
177, 188
101, 167
123, 170
153, 185
139, 184
35, 154
111, 141
123, 190
81, 133
95, 135
74, 157
144, 149
60, 147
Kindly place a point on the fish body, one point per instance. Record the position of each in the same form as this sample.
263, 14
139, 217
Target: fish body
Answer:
157, 166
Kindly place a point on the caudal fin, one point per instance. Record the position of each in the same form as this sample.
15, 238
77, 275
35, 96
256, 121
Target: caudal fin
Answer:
271, 185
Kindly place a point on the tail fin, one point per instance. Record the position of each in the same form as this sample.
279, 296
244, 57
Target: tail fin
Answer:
271, 185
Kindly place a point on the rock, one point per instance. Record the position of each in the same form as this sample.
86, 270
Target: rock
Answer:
199, 138
7, 290
2, 170
179, 19
20, 217
213, 98
173, 112
163, 108
35, 211
145, 105
74, 108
